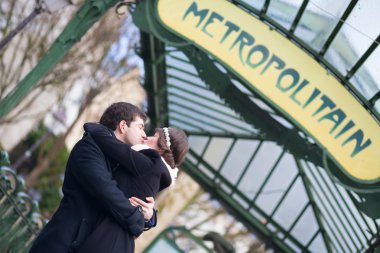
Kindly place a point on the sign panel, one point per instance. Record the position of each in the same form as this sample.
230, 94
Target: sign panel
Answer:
285, 76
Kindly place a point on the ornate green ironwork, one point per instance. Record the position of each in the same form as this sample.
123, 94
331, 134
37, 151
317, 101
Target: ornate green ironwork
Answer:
20, 220
4, 158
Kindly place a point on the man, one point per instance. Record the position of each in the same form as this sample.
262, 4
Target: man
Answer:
91, 193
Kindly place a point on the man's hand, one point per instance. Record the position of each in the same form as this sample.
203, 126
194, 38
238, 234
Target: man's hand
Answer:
147, 207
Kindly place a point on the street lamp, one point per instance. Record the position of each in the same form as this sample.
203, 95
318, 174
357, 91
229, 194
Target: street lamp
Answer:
49, 6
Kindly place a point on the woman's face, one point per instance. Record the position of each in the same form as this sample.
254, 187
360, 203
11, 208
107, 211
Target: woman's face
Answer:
151, 141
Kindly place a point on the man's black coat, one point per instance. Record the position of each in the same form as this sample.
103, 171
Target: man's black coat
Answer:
90, 193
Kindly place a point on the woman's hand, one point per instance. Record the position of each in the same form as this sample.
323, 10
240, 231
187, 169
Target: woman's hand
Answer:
147, 207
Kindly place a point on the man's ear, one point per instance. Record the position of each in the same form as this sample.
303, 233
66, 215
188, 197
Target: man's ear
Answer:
122, 126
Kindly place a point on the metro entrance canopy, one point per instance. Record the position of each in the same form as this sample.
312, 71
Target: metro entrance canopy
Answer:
280, 133
280, 102
284, 76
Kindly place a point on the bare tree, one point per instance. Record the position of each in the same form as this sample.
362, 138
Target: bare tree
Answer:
23, 52
81, 64
98, 77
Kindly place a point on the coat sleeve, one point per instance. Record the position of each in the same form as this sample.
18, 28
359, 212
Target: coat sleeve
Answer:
134, 162
89, 168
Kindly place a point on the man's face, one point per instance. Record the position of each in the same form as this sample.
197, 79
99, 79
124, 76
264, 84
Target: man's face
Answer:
134, 133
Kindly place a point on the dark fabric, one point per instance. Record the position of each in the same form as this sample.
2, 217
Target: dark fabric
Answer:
90, 194
145, 178
108, 238
148, 174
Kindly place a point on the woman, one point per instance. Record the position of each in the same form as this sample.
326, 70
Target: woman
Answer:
154, 168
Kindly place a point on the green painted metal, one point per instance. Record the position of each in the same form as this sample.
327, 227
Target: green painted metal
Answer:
242, 175
213, 185
299, 15
206, 146
369, 204
174, 118
212, 119
314, 206
374, 99
221, 84
235, 208
259, 191
279, 203
335, 208
151, 50
4, 158
338, 226
20, 220
365, 56
338, 27
215, 119
332, 207
217, 173
191, 92
265, 7
229, 135
171, 234
88, 14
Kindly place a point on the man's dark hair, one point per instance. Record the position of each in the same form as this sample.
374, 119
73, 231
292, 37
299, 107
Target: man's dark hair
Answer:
119, 111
